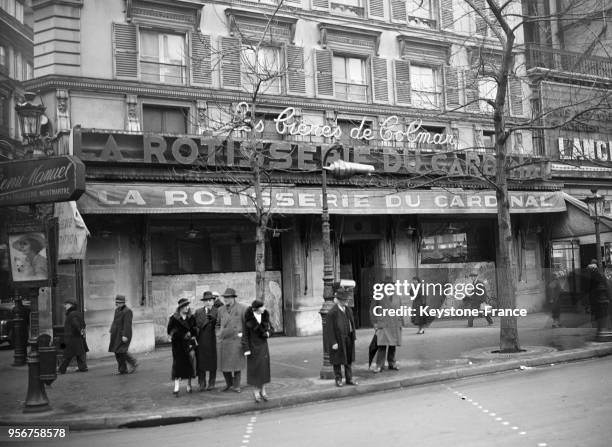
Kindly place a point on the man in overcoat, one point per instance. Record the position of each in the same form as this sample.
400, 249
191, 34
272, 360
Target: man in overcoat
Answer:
230, 354
340, 335
474, 299
121, 336
206, 319
388, 331
74, 338
598, 296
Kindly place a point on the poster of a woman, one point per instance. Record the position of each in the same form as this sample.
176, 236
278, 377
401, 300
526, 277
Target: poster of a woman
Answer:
28, 254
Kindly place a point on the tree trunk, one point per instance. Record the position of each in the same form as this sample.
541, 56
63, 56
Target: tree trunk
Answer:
261, 223
506, 286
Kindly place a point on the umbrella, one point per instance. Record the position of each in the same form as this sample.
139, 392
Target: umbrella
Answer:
372, 350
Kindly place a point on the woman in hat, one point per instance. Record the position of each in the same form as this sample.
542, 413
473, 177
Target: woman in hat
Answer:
255, 341
182, 331
34, 264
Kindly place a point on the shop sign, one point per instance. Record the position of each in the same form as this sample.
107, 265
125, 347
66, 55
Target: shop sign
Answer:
145, 198
584, 149
91, 145
41, 180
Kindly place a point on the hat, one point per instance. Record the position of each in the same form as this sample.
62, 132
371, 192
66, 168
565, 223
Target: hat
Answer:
120, 299
474, 273
229, 293
256, 304
215, 294
343, 295
182, 303
208, 295
71, 302
36, 241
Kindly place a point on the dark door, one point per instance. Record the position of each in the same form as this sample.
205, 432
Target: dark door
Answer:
357, 260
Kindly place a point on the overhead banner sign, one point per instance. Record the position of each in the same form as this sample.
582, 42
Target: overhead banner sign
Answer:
41, 180
104, 198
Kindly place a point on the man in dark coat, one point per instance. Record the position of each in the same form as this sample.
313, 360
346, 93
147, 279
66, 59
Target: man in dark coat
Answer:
230, 326
340, 335
598, 296
121, 336
206, 319
475, 299
74, 338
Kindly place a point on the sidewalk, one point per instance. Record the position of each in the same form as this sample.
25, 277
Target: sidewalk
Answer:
102, 399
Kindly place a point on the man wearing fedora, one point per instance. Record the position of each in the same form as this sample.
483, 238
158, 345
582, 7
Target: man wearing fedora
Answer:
340, 335
74, 338
206, 320
474, 299
121, 336
230, 328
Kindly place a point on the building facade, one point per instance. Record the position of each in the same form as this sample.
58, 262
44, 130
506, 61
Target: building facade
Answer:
152, 90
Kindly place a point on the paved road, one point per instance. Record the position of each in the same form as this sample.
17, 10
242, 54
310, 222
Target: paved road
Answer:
561, 405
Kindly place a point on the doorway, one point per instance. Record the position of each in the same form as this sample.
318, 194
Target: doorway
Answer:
357, 259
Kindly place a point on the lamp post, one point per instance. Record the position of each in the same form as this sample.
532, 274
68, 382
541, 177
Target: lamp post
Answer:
30, 117
339, 169
596, 204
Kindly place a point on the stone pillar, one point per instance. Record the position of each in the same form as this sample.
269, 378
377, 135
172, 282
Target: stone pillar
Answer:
133, 121
62, 122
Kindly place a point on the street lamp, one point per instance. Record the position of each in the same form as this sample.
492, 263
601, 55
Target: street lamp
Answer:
595, 204
339, 169
30, 118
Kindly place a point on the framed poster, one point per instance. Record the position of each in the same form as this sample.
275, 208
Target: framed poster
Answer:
29, 256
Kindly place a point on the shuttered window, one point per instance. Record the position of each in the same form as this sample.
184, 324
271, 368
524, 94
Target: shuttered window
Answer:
453, 91
402, 81
446, 14
516, 96
380, 90
125, 48
398, 11
296, 77
376, 9
230, 62
261, 69
201, 63
324, 74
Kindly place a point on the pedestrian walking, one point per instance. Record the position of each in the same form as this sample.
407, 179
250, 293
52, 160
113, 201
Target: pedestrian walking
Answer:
388, 331
182, 331
419, 303
340, 336
206, 320
255, 340
121, 336
474, 299
74, 338
230, 354
554, 297
598, 296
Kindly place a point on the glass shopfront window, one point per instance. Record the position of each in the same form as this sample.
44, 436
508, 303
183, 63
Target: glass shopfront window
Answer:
208, 246
457, 241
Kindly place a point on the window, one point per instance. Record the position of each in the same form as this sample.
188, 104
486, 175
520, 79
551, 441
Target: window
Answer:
3, 59
457, 241
261, 66
162, 57
29, 71
8, 6
488, 139
346, 126
350, 79
487, 89
425, 86
164, 119
208, 246
17, 66
19, 11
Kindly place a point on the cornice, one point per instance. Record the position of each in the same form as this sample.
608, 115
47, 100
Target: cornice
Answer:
109, 86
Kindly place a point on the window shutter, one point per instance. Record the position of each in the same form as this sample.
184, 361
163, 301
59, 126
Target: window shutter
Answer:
320, 4
402, 81
516, 96
296, 77
481, 25
446, 13
471, 92
451, 75
379, 80
230, 62
201, 66
376, 8
398, 11
125, 47
324, 70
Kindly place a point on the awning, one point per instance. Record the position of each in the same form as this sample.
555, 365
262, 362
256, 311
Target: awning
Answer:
111, 198
577, 222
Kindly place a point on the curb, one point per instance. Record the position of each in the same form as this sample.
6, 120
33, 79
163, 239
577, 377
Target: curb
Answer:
112, 420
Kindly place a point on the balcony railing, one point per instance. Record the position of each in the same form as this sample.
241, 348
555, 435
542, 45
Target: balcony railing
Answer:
351, 92
566, 61
348, 10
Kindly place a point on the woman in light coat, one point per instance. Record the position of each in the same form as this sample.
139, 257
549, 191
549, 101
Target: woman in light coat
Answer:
255, 340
